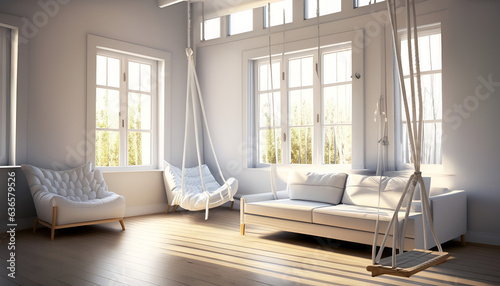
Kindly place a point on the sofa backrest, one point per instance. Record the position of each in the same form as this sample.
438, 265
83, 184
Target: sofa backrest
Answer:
310, 186
364, 191
79, 184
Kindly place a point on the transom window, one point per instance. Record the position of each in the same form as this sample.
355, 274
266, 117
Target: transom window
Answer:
325, 7
311, 122
362, 3
279, 10
210, 29
241, 22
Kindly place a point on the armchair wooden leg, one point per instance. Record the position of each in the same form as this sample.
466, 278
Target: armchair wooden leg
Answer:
53, 226
123, 225
462, 240
35, 224
231, 208
175, 207
242, 229
168, 206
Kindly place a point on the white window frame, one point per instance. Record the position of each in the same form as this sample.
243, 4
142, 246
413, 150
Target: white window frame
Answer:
400, 117
17, 76
292, 50
99, 45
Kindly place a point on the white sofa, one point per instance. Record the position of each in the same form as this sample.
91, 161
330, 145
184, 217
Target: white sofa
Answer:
345, 208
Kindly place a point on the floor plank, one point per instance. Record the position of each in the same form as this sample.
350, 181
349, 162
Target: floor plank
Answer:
182, 248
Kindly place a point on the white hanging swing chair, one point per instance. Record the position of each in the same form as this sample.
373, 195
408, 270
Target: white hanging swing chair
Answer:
406, 263
196, 188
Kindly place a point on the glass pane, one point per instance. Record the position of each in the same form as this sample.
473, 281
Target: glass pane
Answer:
435, 42
307, 71
277, 9
139, 111
269, 139
241, 22
325, 7
107, 148
301, 72
301, 107
265, 79
265, 115
139, 148
361, 3
337, 144
431, 147
113, 72
431, 97
212, 29
344, 66
101, 70
301, 145
294, 75
107, 108
145, 78
424, 52
337, 104
329, 68
133, 75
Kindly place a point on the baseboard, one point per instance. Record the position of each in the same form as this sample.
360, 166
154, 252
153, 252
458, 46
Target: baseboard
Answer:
145, 210
483, 237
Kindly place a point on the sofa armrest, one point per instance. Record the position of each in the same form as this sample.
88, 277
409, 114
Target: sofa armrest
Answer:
258, 198
449, 214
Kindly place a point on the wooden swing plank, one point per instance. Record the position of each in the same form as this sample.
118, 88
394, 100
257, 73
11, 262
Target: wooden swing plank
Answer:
408, 263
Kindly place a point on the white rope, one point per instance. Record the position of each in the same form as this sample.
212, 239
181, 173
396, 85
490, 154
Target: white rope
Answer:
415, 136
273, 126
190, 98
318, 66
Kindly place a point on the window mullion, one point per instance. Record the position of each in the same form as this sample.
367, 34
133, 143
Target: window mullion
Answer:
318, 114
123, 112
285, 158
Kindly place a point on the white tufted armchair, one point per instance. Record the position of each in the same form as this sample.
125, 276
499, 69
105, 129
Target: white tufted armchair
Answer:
73, 197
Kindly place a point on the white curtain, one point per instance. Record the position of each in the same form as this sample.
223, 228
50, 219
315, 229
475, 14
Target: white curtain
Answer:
5, 47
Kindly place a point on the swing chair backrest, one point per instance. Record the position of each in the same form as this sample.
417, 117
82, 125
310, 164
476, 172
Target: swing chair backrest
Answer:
363, 191
192, 180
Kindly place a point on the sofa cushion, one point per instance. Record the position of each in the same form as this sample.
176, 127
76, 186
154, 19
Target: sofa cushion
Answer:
326, 188
364, 191
360, 218
285, 209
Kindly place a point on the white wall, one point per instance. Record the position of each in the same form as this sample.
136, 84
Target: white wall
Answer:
470, 51
55, 34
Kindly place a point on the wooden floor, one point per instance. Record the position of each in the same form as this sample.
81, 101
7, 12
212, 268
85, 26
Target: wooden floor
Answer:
184, 249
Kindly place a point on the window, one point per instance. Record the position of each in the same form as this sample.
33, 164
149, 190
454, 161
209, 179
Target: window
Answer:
124, 110
325, 7
211, 29
362, 3
312, 118
241, 22
277, 10
126, 90
5, 72
429, 44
